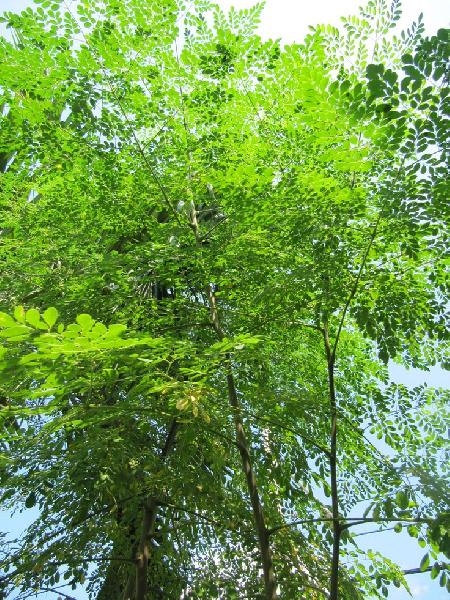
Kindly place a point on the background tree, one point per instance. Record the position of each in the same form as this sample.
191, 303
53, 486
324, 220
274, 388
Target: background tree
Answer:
241, 236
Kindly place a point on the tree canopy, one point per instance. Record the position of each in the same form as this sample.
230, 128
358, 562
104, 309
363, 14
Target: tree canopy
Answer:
211, 247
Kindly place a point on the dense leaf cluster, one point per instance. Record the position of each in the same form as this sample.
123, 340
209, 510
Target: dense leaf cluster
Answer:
220, 243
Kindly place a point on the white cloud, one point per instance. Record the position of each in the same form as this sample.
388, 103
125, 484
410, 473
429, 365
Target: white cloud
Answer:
418, 589
289, 19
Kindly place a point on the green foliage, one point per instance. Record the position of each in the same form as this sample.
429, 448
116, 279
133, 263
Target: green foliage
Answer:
183, 203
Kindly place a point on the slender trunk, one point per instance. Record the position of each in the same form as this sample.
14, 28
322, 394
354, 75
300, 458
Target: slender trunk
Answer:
334, 579
143, 553
149, 515
258, 514
242, 443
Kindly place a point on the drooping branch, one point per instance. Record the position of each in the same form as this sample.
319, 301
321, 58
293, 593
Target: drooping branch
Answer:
362, 266
276, 423
270, 420
194, 513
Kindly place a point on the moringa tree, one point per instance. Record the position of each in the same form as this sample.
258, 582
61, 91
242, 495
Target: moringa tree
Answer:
211, 247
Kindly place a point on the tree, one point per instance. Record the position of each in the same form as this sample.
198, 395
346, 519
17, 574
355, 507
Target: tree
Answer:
219, 243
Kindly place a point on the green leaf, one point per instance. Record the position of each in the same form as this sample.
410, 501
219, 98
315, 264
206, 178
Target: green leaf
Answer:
50, 316
85, 321
425, 562
98, 330
14, 332
412, 530
19, 314
116, 330
388, 508
30, 500
435, 571
33, 317
413, 73
373, 71
402, 500
6, 320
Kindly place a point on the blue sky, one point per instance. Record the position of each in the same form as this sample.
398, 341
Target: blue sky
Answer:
289, 20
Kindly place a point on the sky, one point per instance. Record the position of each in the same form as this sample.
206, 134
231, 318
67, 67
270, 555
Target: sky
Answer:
289, 20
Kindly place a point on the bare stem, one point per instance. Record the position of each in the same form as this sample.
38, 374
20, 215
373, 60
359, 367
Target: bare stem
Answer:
148, 523
337, 529
242, 443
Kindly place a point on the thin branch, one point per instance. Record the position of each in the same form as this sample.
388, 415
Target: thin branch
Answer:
349, 522
356, 283
207, 234
382, 519
276, 423
56, 591
315, 588
261, 531
189, 512
373, 531
337, 528
295, 523
418, 570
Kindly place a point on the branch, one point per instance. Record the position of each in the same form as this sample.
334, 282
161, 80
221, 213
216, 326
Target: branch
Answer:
276, 423
373, 531
337, 528
57, 591
189, 512
355, 284
62, 563
356, 521
418, 570
361, 267
348, 522
203, 238
302, 324
295, 523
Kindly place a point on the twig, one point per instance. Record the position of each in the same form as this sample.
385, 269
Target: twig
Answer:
349, 522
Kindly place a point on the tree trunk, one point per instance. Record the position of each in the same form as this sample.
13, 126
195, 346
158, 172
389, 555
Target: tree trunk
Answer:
148, 523
334, 578
135, 586
258, 514
143, 553
270, 584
